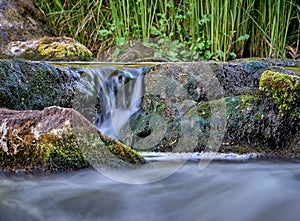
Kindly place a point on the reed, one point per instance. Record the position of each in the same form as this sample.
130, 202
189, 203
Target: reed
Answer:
270, 26
219, 29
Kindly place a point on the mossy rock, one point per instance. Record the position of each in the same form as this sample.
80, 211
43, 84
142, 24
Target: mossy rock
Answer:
47, 48
255, 121
26, 85
57, 139
284, 89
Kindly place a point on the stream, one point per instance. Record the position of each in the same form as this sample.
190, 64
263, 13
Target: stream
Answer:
225, 190
230, 188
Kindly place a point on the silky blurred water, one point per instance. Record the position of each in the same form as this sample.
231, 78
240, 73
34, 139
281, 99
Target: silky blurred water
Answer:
224, 191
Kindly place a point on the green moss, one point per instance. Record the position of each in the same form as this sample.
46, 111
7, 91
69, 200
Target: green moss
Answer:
47, 48
123, 152
247, 101
67, 50
64, 152
61, 153
284, 89
205, 108
52, 153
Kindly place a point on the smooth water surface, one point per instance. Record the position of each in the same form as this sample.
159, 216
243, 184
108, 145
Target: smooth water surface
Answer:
248, 190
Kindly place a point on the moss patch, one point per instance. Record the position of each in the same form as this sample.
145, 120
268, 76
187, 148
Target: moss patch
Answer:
284, 89
52, 153
57, 153
47, 48
67, 50
122, 151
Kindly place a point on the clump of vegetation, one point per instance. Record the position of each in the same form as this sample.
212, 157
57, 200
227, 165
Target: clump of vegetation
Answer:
220, 30
284, 89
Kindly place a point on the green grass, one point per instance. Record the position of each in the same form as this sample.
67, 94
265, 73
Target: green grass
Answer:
270, 26
219, 29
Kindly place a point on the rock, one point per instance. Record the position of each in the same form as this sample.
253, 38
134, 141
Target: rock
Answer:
25, 34
293, 148
255, 102
20, 21
26, 85
126, 53
256, 122
47, 48
258, 108
148, 50
57, 139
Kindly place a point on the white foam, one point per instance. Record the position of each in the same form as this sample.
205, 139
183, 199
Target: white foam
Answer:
196, 156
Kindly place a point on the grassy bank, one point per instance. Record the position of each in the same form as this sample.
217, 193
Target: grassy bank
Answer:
220, 29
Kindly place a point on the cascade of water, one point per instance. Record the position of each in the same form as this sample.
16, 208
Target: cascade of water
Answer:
116, 93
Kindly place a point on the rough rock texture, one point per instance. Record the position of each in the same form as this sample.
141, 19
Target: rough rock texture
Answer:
21, 20
47, 48
57, 139
257, 104
27, 85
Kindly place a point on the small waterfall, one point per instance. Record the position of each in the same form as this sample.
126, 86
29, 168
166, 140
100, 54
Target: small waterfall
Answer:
108, 96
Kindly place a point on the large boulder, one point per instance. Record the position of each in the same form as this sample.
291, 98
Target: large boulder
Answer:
249, 106
20, 21
57, 139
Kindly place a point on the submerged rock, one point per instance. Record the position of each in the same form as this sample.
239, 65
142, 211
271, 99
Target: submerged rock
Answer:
57, 139
47, 48
20, 21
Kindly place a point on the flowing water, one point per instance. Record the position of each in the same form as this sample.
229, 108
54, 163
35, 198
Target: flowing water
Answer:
225, 190
113, 93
